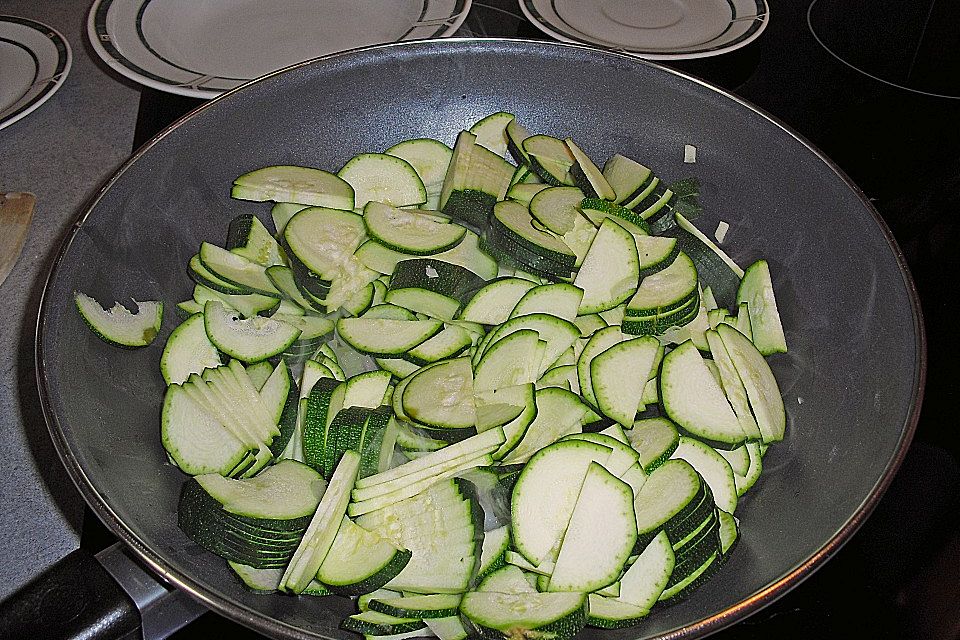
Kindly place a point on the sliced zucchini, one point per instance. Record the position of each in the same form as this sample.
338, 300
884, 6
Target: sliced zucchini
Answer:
430, 159
410, 232
382, 337
604, 510
188, 350
301, 185
379, 177
694, 400
610, 271
249, 340
559, 616
360, 561
119, 326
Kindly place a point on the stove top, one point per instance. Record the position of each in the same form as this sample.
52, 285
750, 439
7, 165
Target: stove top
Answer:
870, 83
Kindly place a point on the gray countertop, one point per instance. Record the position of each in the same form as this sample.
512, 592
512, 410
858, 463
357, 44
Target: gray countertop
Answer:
61, 152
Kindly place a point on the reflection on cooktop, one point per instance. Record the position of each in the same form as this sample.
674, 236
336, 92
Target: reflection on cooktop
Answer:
909, 45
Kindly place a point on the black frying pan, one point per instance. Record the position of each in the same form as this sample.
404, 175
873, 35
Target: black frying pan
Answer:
852, 381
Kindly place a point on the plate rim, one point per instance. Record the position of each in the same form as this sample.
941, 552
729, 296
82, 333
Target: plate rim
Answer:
20, 109
265, 624
101, 40
762, 20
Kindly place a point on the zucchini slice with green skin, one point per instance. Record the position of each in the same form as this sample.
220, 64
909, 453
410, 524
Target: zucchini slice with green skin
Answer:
467, 254
619, 374
380, 337
656, 253
599, 342
647, 577
610, 272
477, 445
559, 413
437, 605
380, 624
322, 239
549, 158
450, 628
514, 220
666, 290
559, 299
281, 213
558, 616
249, 340
745, 482
613, 613
430, 159
410, 232
434, 275
733, 386
203, 276
587, 175
507, 579
491, 131
246, 274
247, 237
672, 492
494, 302
713, 468
603, 510
119, 326
319, 536
729, 533
558, 334
763, 391
597, 210
524, 192
360, 561
545, 495
694, 400
248, 305
188, 350
442, 396
447, 344
510, 360
556, 207
655, 439
756, 289
496, 542
301, 185
383, 178
627, 177
320, 406
196, 441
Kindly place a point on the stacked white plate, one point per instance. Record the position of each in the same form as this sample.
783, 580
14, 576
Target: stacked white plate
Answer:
653, 29
202, 49
34, 62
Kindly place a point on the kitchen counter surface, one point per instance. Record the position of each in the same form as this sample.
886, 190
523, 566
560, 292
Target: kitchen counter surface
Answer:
61, 152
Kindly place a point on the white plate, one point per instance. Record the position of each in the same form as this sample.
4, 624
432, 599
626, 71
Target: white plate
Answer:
34, 62
201, 49
653, 29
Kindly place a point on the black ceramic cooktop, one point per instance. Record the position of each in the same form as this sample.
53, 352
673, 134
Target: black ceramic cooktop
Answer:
873, 84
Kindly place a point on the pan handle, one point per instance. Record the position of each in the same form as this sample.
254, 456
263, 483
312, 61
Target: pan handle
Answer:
97, 597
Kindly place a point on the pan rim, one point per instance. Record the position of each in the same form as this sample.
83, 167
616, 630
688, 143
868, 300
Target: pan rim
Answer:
271, 626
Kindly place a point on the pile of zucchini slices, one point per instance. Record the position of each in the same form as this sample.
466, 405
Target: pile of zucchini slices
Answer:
481, 397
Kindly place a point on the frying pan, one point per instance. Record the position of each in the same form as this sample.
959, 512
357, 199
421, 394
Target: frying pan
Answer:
852, 381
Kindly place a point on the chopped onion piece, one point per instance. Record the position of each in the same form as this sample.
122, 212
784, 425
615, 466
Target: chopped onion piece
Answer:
689, 153
721, 233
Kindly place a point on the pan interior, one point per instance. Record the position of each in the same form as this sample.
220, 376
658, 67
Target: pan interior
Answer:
850, 381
